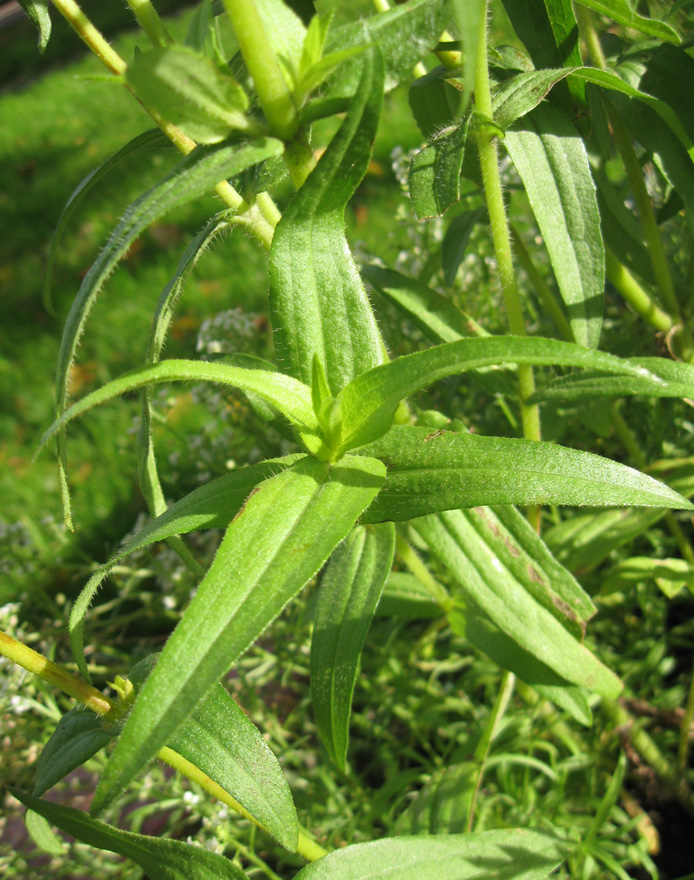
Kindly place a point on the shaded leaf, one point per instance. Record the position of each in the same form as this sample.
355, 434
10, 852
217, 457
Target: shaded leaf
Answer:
443, 803
78, 735
624, 13
433, 101
434, 176
520, 94
278, 540
671, 575
317, 300
347, 598
161, 859
404, 595
37, 12
454, 246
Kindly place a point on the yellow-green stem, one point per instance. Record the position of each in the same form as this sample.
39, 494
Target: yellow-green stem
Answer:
409, 556
148, 19
489, 163
257, 222
93, 699
631, 291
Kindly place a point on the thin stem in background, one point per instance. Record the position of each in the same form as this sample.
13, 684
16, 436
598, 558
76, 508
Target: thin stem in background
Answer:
150, 22
93, 699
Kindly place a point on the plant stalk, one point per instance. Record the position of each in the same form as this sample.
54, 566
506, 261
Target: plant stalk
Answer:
409, 556
148, 19
631, 291
487, 146
93, 699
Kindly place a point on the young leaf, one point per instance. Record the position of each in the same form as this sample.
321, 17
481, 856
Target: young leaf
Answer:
434, 178
468, 620
78, 735
189, 90
153, 137
623, 12
404, 35
37, 12
190, 179
441, 470
211, 506
284, 31
369, 402
471, 18
455, 542
347, 598
512, 854
317, 300
161, 859
279, 539
521, 93
553, 164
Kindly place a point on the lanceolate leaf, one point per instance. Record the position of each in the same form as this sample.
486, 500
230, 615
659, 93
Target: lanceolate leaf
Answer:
624, 13
405, 596
213, 505
37, 11
443, 803
288, 395
370, 401
441, 470
349, 593
434, 178
516, 96
161, 859
515, 854
404, 35
553, 164
78, 735
676, 380
278, 540
454, 245
189, 90
153, 137
317, 300
453, 539
192, 178
468, 620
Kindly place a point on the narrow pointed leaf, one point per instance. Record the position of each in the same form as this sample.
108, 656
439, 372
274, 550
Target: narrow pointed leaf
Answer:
276, 543
553, 164
347, 598
317, 299
520, 94
192, 178
443, 803
37, 12
161, 859
212, 506
405, 596
455, 542
470, 17
404, 35
671, 379
153, 137
190, 91
283, 29
288, 395
512, 854
434, 177
470, 621
624, 13
454, 245
369, 402
78, 735
441, 470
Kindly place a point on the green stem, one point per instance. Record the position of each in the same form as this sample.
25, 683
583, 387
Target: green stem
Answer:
148, 19
487, 146
93, 699
409, 557
685, 728
631, 291
508, 680
270, 84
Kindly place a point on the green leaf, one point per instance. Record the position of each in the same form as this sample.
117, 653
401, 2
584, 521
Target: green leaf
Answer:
404, 35
521, 93
317, 300
161, 859
43, 835
369, 402
189, 180
622, 12
662, 378
454, 246
469, 621
430, 471
151, 138
433, 101
404, 595
291, 397
455, 541
553, 164
279, 539
283, 29
189, 90
434, 176
347, 598
443, 803
671, 575
512, 854
211, 506
470, 17
37, 12
665, 73
78, 735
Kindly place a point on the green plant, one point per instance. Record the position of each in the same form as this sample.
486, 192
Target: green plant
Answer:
372, 474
